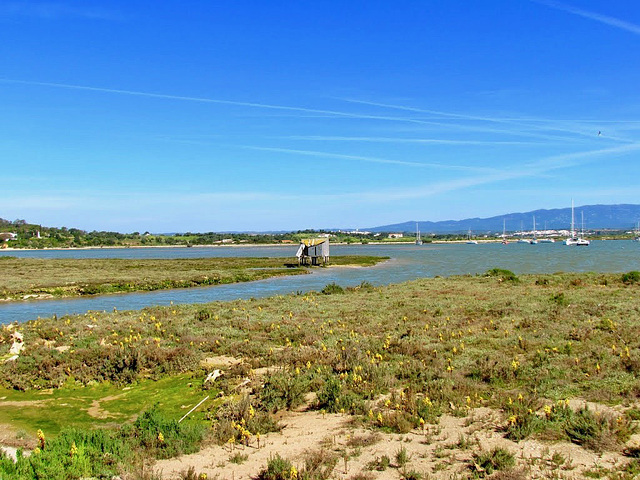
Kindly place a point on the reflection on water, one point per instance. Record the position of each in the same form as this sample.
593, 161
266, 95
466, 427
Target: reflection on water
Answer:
407, 262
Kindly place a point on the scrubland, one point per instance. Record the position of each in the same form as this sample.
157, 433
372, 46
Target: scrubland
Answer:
494, 376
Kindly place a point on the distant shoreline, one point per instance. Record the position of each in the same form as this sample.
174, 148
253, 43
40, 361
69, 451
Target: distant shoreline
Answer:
235, 245
254, 245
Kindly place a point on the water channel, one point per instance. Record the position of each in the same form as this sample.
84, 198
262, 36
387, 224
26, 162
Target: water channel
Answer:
407, 262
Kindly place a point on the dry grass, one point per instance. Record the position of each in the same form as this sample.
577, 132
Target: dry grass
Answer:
73, 277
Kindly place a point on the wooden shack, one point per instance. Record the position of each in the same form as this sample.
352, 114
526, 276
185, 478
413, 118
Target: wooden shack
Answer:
312, 251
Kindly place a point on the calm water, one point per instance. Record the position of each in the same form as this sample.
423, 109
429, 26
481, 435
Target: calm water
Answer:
407, 262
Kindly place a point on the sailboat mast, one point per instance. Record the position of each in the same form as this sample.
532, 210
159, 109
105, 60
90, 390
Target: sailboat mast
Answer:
573, 233
534, 226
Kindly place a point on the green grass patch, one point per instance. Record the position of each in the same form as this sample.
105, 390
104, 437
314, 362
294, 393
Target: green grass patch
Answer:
54, 410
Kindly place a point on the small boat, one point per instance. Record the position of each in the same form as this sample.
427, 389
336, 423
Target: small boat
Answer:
470, 241
574, 239
636, 237
418, 239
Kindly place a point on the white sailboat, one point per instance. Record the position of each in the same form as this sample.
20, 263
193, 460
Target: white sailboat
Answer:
522, 239
534, 240
470, 241
546, 239
504, 235
418, 239
636, 237
582, 242
574, 239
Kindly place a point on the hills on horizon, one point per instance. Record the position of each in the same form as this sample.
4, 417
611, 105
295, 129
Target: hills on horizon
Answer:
596, 217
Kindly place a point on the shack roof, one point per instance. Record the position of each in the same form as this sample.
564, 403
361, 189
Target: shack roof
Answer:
313, 242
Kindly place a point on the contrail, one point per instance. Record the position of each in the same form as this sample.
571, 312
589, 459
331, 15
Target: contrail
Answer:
212, 100
607, 20
313, 153
517, 122
434, 141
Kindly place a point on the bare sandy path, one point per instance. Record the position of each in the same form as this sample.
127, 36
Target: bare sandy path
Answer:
441, 451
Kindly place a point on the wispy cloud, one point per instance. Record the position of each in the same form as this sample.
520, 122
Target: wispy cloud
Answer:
607, 20
56, 10
113, 201
249, 208
434, 141
531, 169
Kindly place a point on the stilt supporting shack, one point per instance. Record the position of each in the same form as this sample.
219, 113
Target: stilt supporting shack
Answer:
312, 251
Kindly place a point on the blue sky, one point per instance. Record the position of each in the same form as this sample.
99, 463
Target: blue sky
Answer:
239, 115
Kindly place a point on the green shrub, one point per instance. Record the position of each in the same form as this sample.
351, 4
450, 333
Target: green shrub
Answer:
411, 475
283, 390
503, 275
102, 453
202, 315
524, 425
559, 299
631, 277
241, 412
277, 469
329, 396
239, 458
177, 438
489, 462
332, 289
402, 457
364, 286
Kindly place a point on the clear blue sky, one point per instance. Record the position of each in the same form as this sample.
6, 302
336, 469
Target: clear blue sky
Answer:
270, 115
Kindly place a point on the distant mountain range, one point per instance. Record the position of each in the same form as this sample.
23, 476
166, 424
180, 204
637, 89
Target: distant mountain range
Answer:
616, 217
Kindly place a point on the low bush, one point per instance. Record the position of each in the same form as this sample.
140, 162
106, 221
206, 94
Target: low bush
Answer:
277, 468
283, 390
237, 419
332, 289
503, 275
492, 461
631, 277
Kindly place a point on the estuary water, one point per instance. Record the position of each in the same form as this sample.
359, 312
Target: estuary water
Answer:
407, 262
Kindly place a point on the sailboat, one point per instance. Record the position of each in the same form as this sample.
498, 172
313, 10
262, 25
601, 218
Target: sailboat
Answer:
636, 237
522, 239
546, 239
534, 240
418, 239
574, 239
582, 242
470, 241
504, 235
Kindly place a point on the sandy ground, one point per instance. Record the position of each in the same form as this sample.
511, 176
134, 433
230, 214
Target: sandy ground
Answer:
435, 453
443, 451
